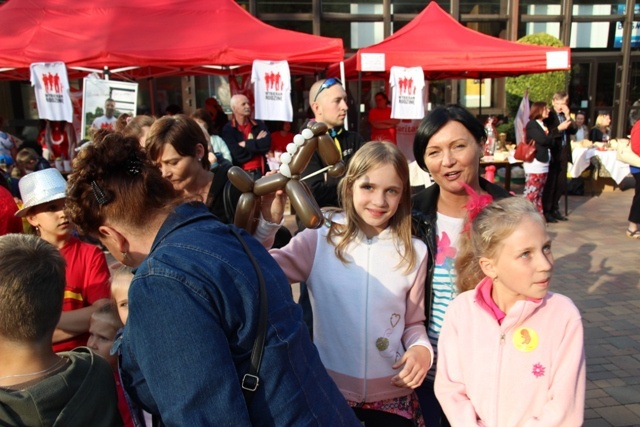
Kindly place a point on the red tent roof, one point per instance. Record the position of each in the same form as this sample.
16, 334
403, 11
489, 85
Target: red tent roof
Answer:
444, 48
156, 37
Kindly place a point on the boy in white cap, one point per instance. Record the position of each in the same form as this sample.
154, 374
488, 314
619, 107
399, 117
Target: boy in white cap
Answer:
87, 273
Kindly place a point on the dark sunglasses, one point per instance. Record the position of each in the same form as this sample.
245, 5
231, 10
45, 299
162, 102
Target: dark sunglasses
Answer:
327, 84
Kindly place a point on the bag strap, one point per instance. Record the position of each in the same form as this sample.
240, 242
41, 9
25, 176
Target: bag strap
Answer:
229, 208
250, 380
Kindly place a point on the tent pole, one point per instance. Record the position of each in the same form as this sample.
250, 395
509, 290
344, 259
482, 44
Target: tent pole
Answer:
480, 96
152, 101
344, 86
358, 98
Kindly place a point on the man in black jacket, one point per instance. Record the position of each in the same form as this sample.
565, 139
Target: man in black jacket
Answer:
328, 101
561, 127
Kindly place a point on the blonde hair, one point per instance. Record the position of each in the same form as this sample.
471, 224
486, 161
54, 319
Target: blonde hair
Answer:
123, 272
26, 155
486, 233
600, 121
372, 155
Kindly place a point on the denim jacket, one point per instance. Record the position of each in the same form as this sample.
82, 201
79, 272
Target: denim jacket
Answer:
193, 313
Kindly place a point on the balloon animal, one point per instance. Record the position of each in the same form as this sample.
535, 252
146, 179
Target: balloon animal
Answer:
294, 162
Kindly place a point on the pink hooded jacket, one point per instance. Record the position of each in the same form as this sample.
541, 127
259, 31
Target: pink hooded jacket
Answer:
528, 371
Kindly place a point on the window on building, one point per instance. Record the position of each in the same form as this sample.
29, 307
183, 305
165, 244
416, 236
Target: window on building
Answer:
301, 26
592, 7
284, 6
480, 8
417, 6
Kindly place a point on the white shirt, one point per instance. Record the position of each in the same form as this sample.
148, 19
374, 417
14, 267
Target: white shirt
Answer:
407, 86
51, 87
104, 122
272, 90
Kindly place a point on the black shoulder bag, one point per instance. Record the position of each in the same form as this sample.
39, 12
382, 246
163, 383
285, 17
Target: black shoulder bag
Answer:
250, 380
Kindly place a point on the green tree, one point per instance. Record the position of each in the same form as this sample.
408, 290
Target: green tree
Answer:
541, 86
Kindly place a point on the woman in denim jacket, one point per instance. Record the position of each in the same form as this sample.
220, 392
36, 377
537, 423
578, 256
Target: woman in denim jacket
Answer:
194, 304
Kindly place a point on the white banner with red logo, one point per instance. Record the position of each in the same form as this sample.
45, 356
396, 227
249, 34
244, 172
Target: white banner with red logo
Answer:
272, 89
51, 86
407, 85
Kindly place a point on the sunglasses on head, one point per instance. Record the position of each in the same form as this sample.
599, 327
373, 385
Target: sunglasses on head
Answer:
327, 84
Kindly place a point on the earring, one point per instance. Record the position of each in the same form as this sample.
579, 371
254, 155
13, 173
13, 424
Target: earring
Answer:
199, 159
124, 255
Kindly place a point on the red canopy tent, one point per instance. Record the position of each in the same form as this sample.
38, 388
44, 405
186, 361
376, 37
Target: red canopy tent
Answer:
148, 38
446, 49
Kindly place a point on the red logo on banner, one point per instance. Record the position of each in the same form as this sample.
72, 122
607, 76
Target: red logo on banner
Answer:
406, 86
273, 81
51, 83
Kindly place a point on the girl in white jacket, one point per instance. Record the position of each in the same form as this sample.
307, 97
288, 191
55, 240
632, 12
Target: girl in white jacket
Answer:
510, 352
366, 278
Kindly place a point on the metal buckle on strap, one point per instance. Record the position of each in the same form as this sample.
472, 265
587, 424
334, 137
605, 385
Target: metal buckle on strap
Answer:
250, 382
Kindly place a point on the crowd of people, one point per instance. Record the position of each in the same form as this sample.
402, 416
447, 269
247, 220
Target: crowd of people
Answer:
429, 309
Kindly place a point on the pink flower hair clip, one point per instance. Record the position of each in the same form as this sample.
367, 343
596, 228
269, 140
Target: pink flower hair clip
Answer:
474, 206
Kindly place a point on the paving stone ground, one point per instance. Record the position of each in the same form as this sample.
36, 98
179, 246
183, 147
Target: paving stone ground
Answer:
599, 268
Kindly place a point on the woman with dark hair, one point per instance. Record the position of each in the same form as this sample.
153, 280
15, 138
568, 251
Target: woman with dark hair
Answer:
537, 170
448, 144
194, 302
178, 145
383, 127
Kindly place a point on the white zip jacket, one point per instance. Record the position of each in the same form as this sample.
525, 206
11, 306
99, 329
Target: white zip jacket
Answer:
366, 313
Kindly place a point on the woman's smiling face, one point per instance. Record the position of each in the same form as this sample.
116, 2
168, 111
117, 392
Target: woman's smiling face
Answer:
453, 156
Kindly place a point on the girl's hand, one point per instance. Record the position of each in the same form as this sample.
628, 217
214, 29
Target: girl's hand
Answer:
417, 361
272, 205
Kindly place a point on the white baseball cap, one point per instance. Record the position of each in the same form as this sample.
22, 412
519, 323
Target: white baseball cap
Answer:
41, 187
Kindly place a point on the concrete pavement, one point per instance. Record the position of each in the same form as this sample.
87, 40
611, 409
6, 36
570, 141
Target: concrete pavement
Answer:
598, 266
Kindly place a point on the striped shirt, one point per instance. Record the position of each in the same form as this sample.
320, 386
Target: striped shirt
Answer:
443, 287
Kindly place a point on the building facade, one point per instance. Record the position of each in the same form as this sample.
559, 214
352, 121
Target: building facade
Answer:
605, 74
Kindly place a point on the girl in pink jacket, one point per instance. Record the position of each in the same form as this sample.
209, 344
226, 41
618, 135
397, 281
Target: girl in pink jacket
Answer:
510, 352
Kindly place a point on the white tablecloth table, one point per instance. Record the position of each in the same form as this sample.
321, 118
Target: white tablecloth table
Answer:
582, 159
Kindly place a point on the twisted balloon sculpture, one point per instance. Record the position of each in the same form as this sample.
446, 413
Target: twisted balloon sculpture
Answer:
294, 162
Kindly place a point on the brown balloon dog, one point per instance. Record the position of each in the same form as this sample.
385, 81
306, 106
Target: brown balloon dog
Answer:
294, 162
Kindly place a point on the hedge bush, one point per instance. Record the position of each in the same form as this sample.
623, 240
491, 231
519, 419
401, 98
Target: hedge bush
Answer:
541, 86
